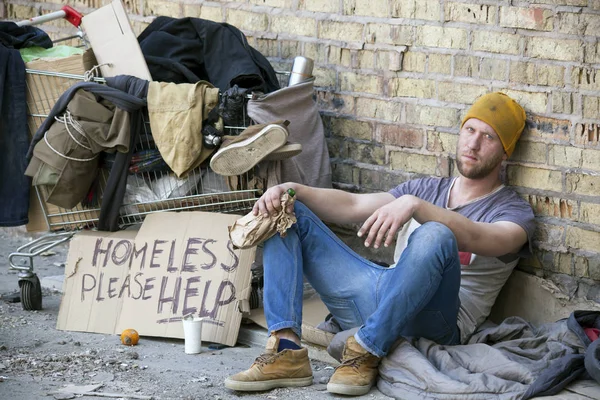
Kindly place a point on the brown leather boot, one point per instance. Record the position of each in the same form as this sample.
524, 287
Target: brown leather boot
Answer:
287, 368
357, 373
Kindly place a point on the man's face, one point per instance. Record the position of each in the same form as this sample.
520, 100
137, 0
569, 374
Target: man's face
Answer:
479, 151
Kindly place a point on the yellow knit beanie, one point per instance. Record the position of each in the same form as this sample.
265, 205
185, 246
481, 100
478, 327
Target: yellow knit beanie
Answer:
503, 114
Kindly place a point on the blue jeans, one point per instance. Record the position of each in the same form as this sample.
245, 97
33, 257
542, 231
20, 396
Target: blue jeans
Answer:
418, 297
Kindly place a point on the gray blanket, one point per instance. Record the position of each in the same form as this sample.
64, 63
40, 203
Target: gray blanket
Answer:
498, 362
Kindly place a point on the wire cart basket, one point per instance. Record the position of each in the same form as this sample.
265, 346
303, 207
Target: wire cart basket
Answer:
148, 191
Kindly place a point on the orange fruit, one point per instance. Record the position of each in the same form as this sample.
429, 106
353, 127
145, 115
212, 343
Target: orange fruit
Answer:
130, 337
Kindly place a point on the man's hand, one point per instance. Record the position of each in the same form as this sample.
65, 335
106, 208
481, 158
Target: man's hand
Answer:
387, 220
270, 202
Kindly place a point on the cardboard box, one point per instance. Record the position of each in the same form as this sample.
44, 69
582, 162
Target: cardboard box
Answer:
177, 264
44, 90
114, 44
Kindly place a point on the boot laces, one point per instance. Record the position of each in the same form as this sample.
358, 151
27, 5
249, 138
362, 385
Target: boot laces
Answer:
266, 358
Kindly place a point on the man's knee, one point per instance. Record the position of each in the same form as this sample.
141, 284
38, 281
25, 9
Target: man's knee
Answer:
433, 235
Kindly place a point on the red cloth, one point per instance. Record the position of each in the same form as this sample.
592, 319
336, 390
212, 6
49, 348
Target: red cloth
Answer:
592, 333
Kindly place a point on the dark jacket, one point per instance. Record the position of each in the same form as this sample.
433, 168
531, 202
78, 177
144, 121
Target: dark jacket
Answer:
188, 50
566, 369
14, 137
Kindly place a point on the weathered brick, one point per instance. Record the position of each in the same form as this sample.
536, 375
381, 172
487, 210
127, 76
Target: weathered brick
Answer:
466, 66
344, 31
339, 56
377, 180
317, 52
414, 61
591, 160
336, 148
593, 4
435, 36
582, 267
562, 102
19, 12
404, 87
351, 128
319, 6
267, 47
496, 42
539, 19
579, 24
366, 59
433, 116
273, 3
246, 20
390, 34
545, 206
587, 134
351, 82
399, 135
344, 173
533, 102
585, 78
163, 7
335, 102
325, 77
416, 9
591, 107
293, 25
582, 239
442, 142
536, 178
289, 48
379, 109
372, 8
549, 128
530, 152
366, 153
460, 92
493, 69
550, 235
439, 64
583, 184
563, 2
592, 52
419, 163
389, 60
536, 74
566, 156
479, 14
554, 49
589, 213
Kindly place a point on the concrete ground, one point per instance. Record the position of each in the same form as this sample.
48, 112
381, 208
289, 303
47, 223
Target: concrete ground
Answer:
37, 361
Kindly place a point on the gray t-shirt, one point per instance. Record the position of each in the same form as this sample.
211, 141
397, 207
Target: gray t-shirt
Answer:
482, 278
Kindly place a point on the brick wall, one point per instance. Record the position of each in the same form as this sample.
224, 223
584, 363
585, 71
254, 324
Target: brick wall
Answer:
394, 78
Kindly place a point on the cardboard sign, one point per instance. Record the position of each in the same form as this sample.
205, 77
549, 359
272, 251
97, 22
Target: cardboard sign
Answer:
177, 264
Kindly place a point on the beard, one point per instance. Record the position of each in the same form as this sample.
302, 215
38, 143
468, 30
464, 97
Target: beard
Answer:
478, 171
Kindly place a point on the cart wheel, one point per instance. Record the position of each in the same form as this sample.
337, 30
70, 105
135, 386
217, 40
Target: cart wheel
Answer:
31, 293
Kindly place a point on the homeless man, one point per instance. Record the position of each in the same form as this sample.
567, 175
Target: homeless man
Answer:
470, 230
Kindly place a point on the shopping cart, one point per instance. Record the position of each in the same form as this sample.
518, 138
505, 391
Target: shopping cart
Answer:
148, 191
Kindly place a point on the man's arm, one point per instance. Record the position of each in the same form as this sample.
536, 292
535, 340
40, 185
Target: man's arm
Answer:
486, 239
331, 205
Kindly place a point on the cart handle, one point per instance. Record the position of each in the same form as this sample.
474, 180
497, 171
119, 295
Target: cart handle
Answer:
68, 13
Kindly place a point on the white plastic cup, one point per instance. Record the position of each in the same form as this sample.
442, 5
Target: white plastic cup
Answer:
192, 333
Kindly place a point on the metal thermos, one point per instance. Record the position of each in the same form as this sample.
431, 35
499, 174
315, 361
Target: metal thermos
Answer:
301, 70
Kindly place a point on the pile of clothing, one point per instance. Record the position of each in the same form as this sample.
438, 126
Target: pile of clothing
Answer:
201, 85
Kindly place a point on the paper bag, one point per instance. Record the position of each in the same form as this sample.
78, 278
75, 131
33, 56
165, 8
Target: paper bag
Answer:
251, 230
